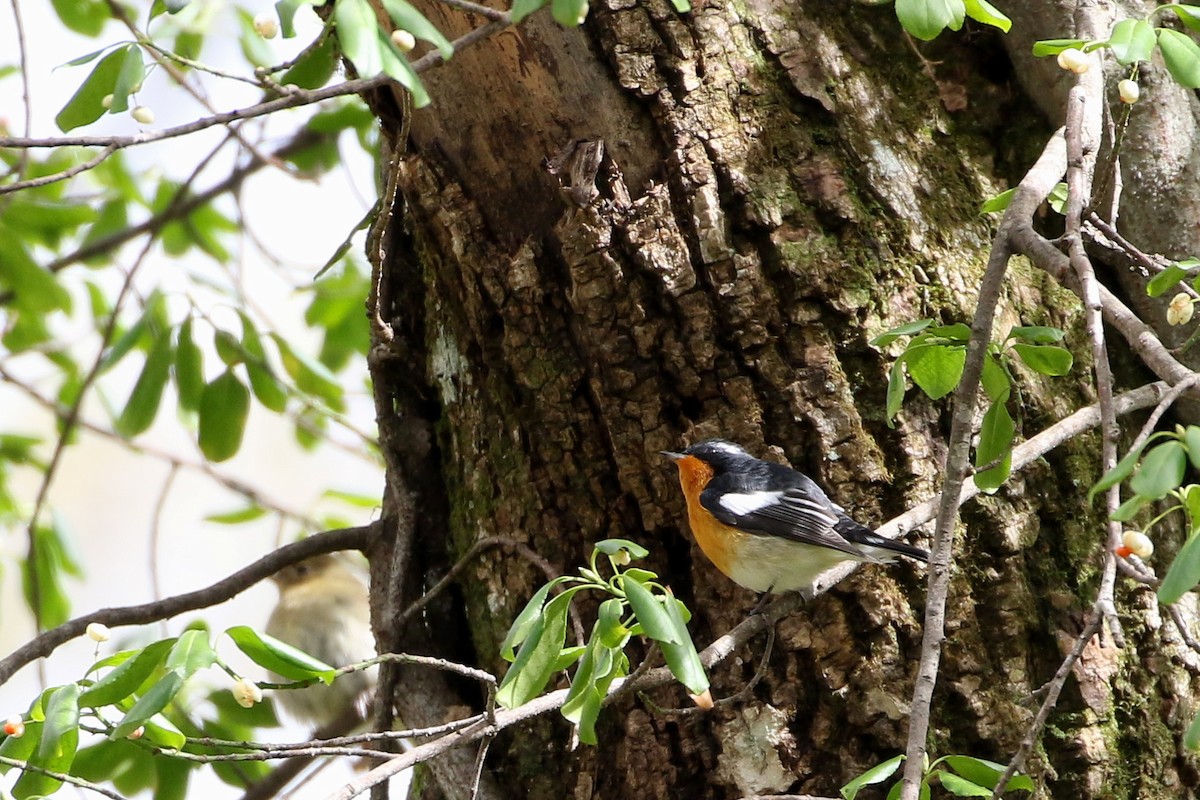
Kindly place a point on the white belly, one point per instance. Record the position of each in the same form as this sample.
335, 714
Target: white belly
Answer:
768, 562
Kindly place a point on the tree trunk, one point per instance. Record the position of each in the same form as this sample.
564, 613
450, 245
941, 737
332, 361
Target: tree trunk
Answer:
660, 228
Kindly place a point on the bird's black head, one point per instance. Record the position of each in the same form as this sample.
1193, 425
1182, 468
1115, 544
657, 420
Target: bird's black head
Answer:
720, 454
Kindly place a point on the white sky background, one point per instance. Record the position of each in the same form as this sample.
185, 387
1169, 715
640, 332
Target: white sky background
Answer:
106, 494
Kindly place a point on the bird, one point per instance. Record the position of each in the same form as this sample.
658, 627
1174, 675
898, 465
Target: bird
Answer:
768, 527
324, 610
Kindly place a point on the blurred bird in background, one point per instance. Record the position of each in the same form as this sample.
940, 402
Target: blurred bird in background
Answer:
324, 610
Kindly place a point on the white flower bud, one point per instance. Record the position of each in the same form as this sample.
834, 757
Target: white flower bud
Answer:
1074, 60
143, 114
1181, 309
246, 693
267, 25
403, 40
98, 632
137, 733
107, 101
1138, 544
1129, 91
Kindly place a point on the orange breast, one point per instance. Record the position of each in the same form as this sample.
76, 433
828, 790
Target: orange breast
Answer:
718, 541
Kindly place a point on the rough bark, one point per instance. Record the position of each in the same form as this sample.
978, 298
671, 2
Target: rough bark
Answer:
781, 182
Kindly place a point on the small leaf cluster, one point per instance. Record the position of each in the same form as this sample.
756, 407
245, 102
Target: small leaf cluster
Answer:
638, 605
925, 19
1134, 40
1176, 272
961, 776
368, 46
934, 359
221, 404
1155, 470
136, 704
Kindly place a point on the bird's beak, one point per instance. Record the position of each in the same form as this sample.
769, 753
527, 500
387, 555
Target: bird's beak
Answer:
670, 455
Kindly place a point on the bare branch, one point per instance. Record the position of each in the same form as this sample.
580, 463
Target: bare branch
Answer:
328, 542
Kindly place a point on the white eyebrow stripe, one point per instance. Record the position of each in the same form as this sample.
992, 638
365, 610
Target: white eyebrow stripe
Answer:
749, 502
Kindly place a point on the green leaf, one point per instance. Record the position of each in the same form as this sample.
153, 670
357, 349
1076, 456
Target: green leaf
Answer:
925, 19
153, 701
171, 774
315, 68
957, 332
1123, 469
982, 772
1165, 280
523, 8
142, 406
1132, 40
82, 16
569, 13
129, 79
408, 18
255, 48
1188, 15
247, 514
650, 613
394, 62
1191, 440
988, 14
535, 661
310, 375
191, 653
1191, 739
358, 33
1184, 573
36, 290
995, 442
608, 629
523, 624
1057, 198
936, 369
876, 774
960, 787
189, 368
51, 561
86, 105
224, 407
610, 547
279, 657
998, 203
1044, 358
128, 676
895, 391
994, 378
287, 14
1037, 334
682, 658
267, 388
907, 329
1052, 47
1130, 508
1161, 470
56, 746
1182, 57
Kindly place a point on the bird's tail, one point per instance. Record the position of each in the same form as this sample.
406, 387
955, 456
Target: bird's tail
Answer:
881, 548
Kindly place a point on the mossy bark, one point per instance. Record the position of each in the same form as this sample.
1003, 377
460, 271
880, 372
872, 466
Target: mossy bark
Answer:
796, 184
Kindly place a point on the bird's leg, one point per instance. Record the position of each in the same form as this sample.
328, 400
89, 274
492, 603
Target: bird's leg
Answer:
762, 601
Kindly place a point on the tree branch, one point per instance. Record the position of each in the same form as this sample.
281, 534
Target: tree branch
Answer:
327, 542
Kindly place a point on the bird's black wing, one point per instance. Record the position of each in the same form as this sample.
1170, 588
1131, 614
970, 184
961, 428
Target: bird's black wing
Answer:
773, 500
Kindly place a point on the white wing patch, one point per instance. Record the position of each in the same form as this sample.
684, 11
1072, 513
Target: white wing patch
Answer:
749, 502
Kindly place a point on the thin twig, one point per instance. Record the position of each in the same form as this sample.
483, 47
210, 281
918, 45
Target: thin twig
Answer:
1029, 194
60, 776
47, 642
